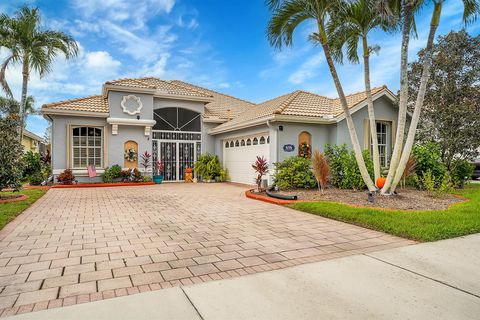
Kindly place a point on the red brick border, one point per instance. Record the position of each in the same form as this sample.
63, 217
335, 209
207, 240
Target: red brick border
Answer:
21, 198
102, 185
251, 195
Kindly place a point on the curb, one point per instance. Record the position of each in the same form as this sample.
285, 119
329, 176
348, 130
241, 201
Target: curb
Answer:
251, 195
102, 185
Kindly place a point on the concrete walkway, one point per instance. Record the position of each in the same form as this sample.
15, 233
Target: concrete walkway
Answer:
426, 281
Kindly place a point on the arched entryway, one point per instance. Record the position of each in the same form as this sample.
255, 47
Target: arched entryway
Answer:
176, 140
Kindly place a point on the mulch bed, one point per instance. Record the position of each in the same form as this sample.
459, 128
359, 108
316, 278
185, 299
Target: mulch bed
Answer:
12, 197
406, 199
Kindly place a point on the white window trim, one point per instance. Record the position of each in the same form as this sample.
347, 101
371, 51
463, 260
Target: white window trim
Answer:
102, 150
388, 142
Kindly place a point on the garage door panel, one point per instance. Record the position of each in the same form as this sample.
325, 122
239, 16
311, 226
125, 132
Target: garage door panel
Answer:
238, 161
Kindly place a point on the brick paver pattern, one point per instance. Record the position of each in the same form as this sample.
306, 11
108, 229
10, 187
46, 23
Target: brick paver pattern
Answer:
87, 244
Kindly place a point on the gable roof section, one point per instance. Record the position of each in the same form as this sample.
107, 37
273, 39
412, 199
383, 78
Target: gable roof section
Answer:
223, 107
95, 104
162, 86
32, 135
298, 103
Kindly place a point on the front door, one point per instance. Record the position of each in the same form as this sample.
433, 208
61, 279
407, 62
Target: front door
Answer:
176, 154
176, 157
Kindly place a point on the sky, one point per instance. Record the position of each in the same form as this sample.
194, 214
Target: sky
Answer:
220, 45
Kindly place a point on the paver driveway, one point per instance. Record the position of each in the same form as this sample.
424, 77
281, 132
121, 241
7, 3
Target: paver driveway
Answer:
80, 245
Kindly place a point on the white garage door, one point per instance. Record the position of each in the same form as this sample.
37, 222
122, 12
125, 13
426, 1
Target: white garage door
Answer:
240, 153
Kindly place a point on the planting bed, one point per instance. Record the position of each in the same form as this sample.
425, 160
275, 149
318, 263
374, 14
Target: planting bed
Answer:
406, 199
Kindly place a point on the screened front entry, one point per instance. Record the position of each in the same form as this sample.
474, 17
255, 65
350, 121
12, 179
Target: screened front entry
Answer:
176, 141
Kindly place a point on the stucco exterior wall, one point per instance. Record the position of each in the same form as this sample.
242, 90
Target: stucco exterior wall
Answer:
125, 133
116, 111
173, 103
384, 111
320, 134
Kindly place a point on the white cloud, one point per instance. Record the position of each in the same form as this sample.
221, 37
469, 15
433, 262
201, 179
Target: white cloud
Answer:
101, 61
307, 70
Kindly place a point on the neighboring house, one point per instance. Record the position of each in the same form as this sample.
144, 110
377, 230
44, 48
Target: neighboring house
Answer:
32, 142
177, 121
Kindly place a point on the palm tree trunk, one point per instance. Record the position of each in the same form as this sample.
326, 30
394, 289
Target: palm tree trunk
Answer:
402, 110
427, 62
348, 117
371, 111
23, 100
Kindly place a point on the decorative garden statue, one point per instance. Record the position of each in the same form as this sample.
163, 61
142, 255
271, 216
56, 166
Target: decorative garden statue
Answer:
188, 175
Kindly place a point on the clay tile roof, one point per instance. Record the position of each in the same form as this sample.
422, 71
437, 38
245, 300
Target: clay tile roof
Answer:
299, 103
223, 107
171, 87
89, 104
128, 82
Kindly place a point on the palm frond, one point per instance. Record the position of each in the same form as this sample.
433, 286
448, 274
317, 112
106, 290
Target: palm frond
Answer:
3, 79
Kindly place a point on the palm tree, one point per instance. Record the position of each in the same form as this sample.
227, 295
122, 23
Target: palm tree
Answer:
10, 106
287, 15
471, 10
31, 46
349, 27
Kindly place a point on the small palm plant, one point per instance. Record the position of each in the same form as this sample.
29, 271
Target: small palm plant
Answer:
261, 168
321, 169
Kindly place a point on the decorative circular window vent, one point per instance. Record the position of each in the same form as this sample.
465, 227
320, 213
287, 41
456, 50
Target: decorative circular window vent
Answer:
131, 104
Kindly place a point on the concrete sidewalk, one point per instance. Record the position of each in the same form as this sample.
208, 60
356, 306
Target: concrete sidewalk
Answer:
434, 280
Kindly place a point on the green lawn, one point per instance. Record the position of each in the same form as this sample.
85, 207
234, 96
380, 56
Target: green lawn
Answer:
458, 220
9, 210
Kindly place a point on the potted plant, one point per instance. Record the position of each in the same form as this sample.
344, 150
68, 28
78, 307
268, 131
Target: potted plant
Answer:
158, 176
208, 167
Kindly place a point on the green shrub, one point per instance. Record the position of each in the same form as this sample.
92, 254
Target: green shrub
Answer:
446, 185
112, 173
35, 178
294, 173
461, 172
427, 181
344, 170
429, 157
337, 156
11, 150
208, 166
33, 164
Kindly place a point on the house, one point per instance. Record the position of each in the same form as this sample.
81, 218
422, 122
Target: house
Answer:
176, 121
32, 142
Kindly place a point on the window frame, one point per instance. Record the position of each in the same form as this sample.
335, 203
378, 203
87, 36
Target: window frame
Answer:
385, 158
87, 147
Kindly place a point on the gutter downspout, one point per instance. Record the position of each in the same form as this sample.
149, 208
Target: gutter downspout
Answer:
269, 125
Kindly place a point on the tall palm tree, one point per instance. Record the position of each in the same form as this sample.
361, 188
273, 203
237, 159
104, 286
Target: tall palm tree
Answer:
32, 47
406, 14
350, 26
470, 13
287, 15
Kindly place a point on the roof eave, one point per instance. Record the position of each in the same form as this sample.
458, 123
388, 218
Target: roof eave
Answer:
78, 113
364, 103
242, 125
